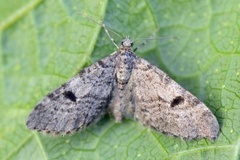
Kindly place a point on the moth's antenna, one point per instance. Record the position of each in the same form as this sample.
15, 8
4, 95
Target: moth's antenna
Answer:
152, 38
105, 28
157, 38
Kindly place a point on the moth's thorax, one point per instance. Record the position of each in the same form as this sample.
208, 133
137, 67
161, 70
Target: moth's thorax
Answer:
125, 64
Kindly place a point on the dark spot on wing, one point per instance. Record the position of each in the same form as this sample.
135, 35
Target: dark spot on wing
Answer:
101, 63
50, 95
196, 101
176, 101
166, 79
64, 85
149, 66
82, 73
70, 95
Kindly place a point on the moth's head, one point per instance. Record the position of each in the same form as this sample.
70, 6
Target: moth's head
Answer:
127, 43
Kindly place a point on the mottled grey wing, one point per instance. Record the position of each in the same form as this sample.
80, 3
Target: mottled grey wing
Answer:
78, 103
164, 105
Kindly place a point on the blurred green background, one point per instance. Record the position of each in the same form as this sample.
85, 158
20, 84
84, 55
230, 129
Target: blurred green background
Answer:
45, 43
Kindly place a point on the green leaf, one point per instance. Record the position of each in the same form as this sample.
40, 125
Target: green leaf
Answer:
45, 43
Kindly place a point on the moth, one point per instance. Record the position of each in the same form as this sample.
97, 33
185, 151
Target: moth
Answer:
124, 86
